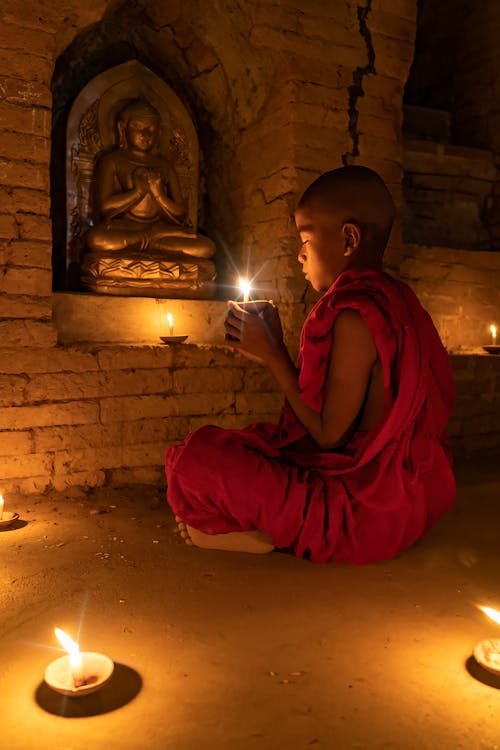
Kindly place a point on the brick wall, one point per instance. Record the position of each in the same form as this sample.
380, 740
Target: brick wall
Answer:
455, 70
105, 416
280, 92
86, 417
474, 430
449, 195
460, 289
456, 67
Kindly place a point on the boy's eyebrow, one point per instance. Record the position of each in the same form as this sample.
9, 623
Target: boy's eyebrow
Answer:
304, 227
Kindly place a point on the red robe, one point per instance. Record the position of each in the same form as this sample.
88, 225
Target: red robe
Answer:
366, 502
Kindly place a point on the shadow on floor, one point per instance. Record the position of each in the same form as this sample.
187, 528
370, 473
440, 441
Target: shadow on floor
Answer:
123, 687
481, 674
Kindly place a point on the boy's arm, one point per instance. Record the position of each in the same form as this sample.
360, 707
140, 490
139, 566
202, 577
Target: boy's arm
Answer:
352, 356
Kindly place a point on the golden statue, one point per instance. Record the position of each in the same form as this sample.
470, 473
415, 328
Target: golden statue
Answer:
141, 243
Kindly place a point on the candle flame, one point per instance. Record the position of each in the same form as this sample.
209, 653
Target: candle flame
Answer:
1, 506
493, 330
170, 319
245, 287
493, 614
69, 645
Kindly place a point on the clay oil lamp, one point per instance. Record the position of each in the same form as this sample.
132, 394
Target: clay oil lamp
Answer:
487, 652
77, 673
6, 517
171, 339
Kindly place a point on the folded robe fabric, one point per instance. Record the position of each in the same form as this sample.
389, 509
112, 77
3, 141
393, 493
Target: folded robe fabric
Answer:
364, 503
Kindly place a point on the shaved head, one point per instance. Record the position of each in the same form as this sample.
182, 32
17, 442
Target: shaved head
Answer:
356, 195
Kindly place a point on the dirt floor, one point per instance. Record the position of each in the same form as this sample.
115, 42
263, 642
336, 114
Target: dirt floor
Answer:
225, 651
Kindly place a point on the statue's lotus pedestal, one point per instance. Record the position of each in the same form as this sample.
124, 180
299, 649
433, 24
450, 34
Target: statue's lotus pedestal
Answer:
137, 275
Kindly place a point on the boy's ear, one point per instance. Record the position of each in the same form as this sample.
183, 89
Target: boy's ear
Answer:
352, 238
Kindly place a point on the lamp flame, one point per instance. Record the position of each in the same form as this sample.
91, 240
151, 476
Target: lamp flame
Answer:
493, 614
1, 506
170, 319
493, 330
245, 288
75, 657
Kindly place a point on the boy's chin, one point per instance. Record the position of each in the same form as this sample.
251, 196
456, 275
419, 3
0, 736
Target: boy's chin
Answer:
319, 286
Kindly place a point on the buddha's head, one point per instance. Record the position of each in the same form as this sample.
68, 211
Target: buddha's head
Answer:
138, 126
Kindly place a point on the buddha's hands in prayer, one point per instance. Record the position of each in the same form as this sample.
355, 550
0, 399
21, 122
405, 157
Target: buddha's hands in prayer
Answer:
141, 180
254, 329
154, 181
147, 181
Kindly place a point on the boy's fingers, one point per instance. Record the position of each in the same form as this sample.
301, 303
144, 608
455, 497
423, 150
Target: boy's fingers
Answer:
254, 305
232, 329
233, 319
237, 312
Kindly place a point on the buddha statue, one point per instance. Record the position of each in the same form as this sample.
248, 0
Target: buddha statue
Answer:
141, 242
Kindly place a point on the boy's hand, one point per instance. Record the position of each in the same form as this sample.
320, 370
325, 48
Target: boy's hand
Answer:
254, 328
268, 311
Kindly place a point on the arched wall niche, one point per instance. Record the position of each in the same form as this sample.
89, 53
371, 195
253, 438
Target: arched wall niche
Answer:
92, 132
206, 59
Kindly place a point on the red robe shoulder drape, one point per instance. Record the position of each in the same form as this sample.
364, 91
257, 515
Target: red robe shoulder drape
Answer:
368, 501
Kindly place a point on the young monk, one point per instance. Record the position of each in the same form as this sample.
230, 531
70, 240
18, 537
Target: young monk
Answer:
358, 467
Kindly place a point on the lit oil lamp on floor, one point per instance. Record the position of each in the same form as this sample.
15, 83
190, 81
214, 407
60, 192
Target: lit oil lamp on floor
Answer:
6, 517
77, 673
487, 652
171, 339
493, 348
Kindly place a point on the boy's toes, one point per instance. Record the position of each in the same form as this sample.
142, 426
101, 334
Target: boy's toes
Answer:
185, 536
182, 530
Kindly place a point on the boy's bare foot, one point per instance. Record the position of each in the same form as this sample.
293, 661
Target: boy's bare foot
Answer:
236, 541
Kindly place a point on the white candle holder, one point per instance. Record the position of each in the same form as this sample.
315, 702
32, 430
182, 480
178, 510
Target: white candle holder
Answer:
8, 517
487, 654
96, 672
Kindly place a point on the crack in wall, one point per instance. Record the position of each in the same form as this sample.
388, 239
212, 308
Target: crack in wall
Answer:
356, 89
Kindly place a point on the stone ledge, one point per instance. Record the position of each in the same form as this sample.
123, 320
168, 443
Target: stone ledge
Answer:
477, 351
422, 145
88, 318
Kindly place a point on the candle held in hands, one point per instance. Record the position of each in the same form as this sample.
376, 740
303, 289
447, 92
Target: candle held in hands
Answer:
245, 288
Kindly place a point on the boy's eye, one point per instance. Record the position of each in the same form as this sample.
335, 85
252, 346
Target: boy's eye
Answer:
304, 242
